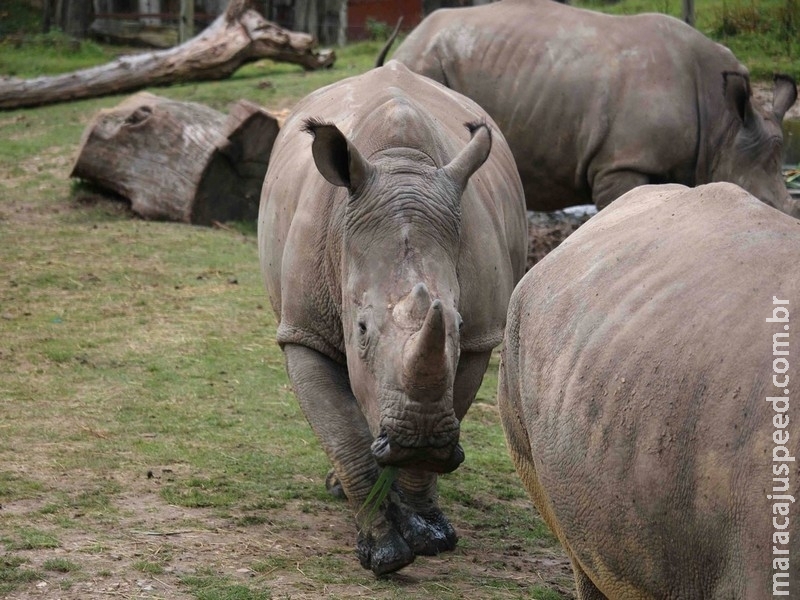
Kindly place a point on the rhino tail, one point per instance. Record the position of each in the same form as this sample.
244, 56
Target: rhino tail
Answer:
388, 45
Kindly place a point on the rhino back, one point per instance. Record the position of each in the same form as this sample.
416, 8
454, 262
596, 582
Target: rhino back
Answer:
301, 214
581, 90
640, 360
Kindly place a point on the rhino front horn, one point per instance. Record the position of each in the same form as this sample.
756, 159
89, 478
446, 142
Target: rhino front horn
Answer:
424, 364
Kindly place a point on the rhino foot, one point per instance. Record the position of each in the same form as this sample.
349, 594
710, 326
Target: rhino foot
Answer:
383, 550
428, 534
399, 533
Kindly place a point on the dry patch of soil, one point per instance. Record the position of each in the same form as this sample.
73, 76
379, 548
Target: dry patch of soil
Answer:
285, 552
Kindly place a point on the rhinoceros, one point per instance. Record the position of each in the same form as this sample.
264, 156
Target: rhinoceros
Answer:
643, 393
391, 234
593, 105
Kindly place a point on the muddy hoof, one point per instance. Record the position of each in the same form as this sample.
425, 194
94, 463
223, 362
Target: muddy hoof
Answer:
334, 486
427, 534
383, 553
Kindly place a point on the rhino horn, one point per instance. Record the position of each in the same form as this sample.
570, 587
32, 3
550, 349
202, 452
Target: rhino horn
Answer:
784, 95
419, 301
461, 168
424, 361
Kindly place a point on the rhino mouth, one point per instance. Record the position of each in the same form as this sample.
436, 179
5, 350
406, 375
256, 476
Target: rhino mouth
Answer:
438, 459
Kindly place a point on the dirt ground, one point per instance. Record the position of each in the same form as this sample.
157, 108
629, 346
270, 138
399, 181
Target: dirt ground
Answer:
292, 541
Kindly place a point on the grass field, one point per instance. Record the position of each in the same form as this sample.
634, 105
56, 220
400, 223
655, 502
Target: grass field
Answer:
149, 443
150, 446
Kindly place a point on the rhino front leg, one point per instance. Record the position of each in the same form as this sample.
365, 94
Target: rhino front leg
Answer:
416, 511
417, 515
609, 185
322, 388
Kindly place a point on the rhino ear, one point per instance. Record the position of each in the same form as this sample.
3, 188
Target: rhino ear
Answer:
335, 157
784, 95
737, 94
472, 156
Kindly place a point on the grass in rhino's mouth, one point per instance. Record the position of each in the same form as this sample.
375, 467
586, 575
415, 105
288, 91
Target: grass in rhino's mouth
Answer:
378, 493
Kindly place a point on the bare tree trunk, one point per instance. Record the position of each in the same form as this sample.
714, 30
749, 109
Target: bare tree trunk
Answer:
687, 12
239, 36
180, 161
47, 15
186, 25
301, 10
341, 38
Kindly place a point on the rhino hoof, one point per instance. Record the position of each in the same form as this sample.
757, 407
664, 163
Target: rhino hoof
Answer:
427, 534
384, 554
334, 485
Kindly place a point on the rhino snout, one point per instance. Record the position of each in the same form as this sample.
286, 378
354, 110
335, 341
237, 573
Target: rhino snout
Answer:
441, 455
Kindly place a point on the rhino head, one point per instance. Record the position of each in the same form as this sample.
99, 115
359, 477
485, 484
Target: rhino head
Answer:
400, 291
752, 156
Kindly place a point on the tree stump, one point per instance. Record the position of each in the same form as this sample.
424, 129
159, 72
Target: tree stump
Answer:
180, 161
238, 36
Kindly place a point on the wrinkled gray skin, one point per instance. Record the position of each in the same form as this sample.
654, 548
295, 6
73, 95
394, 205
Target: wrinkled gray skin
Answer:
633, 387
594, 105
390, 237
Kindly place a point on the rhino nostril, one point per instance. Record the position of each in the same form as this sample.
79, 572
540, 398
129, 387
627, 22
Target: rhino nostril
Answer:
381, 449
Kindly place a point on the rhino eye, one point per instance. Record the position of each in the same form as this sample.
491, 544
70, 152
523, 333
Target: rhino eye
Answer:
362, 327
460, 323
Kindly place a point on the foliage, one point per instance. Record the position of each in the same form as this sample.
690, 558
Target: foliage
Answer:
378, 30
55, 53
19, 18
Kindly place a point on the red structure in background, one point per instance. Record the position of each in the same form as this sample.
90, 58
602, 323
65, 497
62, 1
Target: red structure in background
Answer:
358, 11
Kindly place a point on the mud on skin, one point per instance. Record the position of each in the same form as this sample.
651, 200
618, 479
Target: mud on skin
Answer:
395, 540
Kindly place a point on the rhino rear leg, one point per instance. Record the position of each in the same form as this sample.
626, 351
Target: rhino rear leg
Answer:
586, 590
323, 390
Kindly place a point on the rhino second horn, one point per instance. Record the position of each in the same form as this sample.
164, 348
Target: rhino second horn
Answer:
424, 364
420, 300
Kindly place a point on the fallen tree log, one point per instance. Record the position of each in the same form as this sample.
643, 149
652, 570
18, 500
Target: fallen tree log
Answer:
180, 161
238, 36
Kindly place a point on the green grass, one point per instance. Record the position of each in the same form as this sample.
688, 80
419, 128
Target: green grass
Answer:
211, 586
13, 574
55, 53
145, 413
60, 565
30, 538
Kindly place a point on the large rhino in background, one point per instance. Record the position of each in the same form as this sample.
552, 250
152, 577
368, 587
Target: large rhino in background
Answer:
643, 390
593, 105
390, 236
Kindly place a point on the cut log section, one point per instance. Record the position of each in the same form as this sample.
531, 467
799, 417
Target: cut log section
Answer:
238, 36
180, 161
